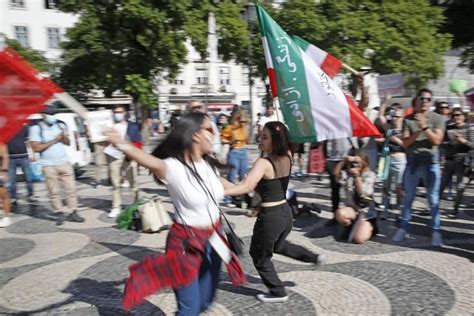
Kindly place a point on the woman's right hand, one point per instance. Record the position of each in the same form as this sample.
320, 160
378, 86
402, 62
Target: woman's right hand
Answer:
113, 136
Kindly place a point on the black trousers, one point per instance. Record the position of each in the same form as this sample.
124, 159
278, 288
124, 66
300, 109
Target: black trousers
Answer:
452, 167
335, 186
272, 227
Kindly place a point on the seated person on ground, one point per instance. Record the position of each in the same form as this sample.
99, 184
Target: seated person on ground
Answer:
358, 216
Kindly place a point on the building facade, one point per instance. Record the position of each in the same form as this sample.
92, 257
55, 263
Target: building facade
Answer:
217, 84
36, 24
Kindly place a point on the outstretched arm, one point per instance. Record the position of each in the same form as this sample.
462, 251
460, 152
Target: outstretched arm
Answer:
250, 182
156, 165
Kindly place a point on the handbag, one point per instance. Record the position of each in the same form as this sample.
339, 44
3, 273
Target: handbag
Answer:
36, 171
235, 243
153, 215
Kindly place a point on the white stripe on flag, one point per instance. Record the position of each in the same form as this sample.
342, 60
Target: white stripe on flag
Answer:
318, 55
330, 111
266, 50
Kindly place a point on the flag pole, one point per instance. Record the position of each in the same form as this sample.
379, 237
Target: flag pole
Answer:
355, 72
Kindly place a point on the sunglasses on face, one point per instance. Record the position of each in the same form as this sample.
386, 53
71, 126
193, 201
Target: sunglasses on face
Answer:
397, 116
424, 99
457, 114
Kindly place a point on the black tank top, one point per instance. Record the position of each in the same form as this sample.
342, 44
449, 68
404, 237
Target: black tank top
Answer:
273, 190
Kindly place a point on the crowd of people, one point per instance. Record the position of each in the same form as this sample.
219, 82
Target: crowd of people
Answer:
204, 163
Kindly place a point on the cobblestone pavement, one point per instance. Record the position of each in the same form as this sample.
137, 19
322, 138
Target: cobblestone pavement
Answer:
79, 269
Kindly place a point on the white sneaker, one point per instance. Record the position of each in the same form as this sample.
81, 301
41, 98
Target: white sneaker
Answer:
436, 239
6, 221
114, 213
269, 298
400, 235
125, 184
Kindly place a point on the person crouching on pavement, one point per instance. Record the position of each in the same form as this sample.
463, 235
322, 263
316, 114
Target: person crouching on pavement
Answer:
49, 138
358, 216
270, 177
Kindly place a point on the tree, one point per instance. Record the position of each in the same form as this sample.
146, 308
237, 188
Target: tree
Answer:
34, 57
403, 36
458, 15
114, 39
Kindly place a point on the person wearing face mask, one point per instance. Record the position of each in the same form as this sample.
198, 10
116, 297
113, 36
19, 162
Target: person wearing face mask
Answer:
118, 162
49, 138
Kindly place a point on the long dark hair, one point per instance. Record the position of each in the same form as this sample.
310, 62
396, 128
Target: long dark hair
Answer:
180, 141
280, 138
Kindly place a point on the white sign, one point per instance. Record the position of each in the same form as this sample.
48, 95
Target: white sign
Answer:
390, 85
96, 121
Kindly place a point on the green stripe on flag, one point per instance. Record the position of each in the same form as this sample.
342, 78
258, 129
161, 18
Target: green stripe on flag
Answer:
301, 42
291, 81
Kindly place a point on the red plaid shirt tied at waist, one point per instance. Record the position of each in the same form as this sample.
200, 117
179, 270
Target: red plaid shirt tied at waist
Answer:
178, 267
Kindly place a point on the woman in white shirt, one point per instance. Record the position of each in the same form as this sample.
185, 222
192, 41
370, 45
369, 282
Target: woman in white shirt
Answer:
194, 251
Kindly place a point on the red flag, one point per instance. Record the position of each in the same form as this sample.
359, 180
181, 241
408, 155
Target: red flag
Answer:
22, 93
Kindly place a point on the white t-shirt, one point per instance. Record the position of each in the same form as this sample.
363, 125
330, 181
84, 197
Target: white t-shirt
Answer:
194, 205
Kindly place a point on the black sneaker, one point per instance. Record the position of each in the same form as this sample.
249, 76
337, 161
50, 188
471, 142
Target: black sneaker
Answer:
60, 218
74, 217
331, 222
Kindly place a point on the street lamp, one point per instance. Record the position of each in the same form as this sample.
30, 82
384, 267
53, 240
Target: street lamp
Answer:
249, 15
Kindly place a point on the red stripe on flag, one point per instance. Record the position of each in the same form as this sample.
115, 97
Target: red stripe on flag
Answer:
273, 85
331, 65
361, 125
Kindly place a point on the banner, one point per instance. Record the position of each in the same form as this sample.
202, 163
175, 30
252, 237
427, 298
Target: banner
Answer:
22, 93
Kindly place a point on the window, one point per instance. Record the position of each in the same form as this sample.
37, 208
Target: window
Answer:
179, 82
224, 76
50, 4
245, 76
16, 4
54, 37
201, 75
21, 35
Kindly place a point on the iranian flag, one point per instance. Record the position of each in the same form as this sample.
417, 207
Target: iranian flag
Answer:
313, 106
327, 62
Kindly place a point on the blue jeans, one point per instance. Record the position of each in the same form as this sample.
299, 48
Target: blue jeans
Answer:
240, 160
24, 163
431, 175
196, 297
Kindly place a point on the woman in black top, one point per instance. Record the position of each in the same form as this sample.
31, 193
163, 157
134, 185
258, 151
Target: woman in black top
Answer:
458, 141
269, 177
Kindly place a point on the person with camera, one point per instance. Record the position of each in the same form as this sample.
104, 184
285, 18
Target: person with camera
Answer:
423, 132
358, 216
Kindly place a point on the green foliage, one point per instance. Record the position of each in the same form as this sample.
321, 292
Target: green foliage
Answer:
458, 15
34, 57
141, 90
113, 39
403, 35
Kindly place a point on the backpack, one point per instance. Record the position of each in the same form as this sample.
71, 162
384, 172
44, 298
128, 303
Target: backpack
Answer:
58, 123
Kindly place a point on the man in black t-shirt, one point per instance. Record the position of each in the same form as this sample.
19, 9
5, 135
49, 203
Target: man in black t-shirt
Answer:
18, 154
